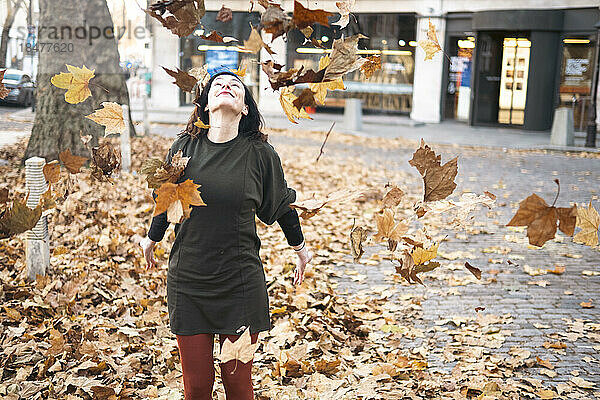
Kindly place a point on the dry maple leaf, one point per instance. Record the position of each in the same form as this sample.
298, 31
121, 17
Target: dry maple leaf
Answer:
589, 222
242, 349
200, 124
111, 117
306, 99
72, 162
358, 235
214, 36
275, 21
388, 228
304, 17
344, 7
51, 171
344, 57
420, 255
409, 270
287, 98
438, 179
3, 90
311, 206
430, 45
393, 197
225, 14
177, 199
320, 89
158, 172
106, 159
372, 64
201, 74
541, 219
182, 16
76, 82
183, 80
255, 43
241, 72
19, 218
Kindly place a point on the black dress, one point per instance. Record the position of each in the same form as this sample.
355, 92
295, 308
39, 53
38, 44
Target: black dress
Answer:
215, 281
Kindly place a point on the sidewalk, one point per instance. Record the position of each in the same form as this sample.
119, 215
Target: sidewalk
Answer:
446, 132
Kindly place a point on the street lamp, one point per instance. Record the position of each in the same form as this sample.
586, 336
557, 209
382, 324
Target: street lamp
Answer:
590, 139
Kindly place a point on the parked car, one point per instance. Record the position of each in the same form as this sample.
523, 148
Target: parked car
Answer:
22, 88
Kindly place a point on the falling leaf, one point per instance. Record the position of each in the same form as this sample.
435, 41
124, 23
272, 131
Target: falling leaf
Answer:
320, 89
19, 218
287, 98
76, 82
388, 228
420, 255
358, 235
430, 45
275, 21
182, 16
438, 179
477, 309
158, 172
242, 349
215, 36
225, 14
541, 219
255, 43
306, 99
201, 74
345, 8
51, 171
311, 206
177, 200
201, 124
106, 159
111, 116
71, 162
304, 17
589, 222
241, 72
3, 90
372, 64
344, 57
393, 197
474, 270
183, 80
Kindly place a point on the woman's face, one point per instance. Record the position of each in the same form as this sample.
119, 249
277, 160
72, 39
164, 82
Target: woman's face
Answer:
227, 93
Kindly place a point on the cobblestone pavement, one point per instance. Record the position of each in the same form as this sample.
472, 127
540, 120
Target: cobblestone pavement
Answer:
6, 124
555, 308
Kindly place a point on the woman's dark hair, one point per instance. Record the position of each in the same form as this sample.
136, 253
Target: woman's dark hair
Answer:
250, 124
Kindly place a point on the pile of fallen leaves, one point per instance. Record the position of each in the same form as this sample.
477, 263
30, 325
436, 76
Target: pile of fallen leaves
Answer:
97, 326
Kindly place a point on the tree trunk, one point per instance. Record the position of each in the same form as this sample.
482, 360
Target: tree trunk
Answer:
59, 125
8, 21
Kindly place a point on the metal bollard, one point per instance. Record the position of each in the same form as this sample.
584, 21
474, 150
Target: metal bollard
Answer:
37, 249
353, 114
126, 142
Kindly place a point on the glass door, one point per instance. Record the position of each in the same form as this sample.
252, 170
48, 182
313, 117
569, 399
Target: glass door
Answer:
458, 90
513, 80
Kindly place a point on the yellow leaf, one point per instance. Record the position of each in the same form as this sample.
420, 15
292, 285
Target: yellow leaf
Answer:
589, 221
431, 44
320, 89
76, 82
241, 72
286, 98
242, 349
177, 199
421, 255
201, 124
111, 116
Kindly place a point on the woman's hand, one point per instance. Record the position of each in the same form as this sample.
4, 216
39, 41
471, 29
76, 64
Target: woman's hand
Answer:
304, 257
147, 246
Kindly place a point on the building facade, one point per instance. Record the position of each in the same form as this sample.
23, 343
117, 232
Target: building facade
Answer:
508, 63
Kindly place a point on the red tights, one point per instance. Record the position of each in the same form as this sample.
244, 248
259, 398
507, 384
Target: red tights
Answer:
196, 353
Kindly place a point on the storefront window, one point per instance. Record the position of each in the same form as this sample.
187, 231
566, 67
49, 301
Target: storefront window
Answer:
390, 35
458, 91
513, 81
195, 51
576, 77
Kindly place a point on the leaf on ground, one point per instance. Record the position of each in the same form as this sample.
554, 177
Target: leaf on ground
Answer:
431, 45
183, 80
304, 17
76, 82
474, 270
438, 179
541, 219
19, 218
582, 383
344, 57
345, 8
242, 349
255, 43
177, 199
589, 222
110, 116
71, 162
287, 98
225, 14
180, 17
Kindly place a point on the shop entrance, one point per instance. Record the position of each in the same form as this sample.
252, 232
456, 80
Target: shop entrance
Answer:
501, 78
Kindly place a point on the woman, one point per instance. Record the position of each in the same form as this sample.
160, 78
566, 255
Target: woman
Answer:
215, 281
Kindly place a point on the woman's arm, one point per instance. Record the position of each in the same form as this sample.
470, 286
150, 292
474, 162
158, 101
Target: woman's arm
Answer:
290, 225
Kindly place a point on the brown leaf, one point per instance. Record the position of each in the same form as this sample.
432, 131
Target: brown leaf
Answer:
311, 206
51, 171
304, 17
477, 309
554, 345
3, 195
544, 363
344, 57
393, 197
387, 228
3, 90
106, 159
327, 367
438, 179
182, 16
177, 200
183, 80
345, 7
225, 14
255, 43
589, 222
19, 218
358, 235
372, 64
541, 219
587, 304
72, 162
306, 99
158, 172
214, 36
275, 21
287, 99
474, 270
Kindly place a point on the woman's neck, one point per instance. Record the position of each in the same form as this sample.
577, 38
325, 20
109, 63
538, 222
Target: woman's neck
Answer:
223, 126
